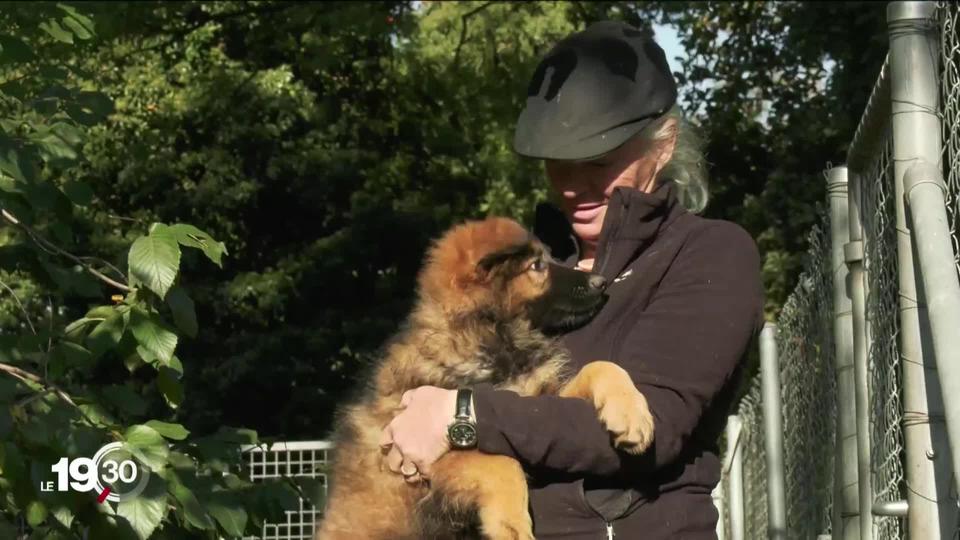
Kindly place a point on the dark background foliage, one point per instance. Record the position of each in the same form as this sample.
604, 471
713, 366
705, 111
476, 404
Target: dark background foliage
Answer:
326, 143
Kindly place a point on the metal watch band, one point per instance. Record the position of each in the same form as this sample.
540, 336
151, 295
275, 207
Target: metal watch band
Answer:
464, 398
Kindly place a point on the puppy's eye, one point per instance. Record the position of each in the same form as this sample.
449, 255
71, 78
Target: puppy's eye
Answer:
538, 265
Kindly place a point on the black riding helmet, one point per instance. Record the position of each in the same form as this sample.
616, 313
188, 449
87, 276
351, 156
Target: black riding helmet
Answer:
592, 92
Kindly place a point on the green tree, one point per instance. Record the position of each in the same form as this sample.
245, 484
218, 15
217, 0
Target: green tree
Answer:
89, 352
326, 143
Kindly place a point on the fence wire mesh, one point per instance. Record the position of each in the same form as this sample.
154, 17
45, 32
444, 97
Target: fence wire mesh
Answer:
807, 379
878, 209
292, 460
948, 18
754, 463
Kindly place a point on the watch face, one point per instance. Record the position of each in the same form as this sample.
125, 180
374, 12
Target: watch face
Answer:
463, 434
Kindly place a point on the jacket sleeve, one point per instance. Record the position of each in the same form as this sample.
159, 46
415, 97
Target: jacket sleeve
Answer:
682, 350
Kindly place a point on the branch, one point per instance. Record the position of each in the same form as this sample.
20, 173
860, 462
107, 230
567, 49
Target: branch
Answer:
26, 314
28, 377
175, 34
103, 262
463, 29
52, 248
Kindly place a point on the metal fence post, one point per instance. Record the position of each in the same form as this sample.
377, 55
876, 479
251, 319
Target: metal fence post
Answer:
916, 135
846, 526
924, 187
735, 478
853, 256
773, 433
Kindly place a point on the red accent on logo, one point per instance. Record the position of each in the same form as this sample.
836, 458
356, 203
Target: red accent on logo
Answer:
103, 496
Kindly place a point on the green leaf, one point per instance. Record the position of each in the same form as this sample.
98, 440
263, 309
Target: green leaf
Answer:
71, 11
101, 312
69, 133
36, 513
76, 327
152, 334
73, 353
155, 260
89, 108
105, 335
54, 73
63, 233
192, 509
147, 445
110, 526
44, 194
54, 148
170, 387
77, 28
175, 432
14, 50
231, 516
190, 236
176, 366
184, 314
79, 193
58, 33
145, 511
67, 355
64, 515
10, 163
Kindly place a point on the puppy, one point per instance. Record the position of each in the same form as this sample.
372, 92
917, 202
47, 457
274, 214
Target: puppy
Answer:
489, 300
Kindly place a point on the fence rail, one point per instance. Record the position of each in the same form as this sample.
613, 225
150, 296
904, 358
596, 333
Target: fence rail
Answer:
870, 440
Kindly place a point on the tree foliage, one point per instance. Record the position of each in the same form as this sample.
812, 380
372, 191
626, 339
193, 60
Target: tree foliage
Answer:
258, 182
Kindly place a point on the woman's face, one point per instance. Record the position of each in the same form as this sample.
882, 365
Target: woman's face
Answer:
585, 187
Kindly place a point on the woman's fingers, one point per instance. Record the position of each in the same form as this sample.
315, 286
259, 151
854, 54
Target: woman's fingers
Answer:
394, 459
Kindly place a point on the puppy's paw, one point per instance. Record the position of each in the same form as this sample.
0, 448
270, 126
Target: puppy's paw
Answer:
624, 412
500, 526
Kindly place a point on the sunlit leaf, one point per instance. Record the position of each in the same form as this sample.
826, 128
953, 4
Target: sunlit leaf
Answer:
155, 260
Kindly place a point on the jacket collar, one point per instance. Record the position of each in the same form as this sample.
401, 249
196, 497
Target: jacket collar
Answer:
633, 220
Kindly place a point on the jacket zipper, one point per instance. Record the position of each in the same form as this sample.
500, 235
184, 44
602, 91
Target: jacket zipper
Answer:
612, 234
610, 534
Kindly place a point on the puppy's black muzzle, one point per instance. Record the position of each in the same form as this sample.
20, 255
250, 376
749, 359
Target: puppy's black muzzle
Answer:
573, 299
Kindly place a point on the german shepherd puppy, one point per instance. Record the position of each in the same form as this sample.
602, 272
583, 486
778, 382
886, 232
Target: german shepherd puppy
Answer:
488, 298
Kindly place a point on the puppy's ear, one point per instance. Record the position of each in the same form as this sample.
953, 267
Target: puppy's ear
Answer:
487, 263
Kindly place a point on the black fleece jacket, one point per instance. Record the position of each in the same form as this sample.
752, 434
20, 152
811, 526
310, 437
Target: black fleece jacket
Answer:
685, 303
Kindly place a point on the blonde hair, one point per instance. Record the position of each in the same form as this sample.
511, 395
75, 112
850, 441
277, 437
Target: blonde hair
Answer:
687, 167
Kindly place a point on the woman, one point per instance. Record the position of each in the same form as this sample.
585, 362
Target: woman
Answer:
685, 302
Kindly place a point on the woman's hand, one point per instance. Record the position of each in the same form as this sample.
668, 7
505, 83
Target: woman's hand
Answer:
417, 437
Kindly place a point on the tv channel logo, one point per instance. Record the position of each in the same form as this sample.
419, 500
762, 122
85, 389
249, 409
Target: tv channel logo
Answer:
113, 473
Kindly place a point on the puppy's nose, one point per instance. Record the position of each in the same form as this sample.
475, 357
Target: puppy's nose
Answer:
597, 282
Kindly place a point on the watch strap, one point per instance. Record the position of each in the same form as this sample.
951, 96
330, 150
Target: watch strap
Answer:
464, 400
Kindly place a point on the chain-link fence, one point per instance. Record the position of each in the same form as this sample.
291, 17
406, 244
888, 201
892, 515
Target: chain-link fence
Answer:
948, 19
882, 311
885, 308
807, 379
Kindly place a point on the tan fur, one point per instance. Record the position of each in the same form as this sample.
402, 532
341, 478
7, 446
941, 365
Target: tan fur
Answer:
441, 346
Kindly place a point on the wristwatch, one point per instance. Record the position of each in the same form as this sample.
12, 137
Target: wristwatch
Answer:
463, 431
